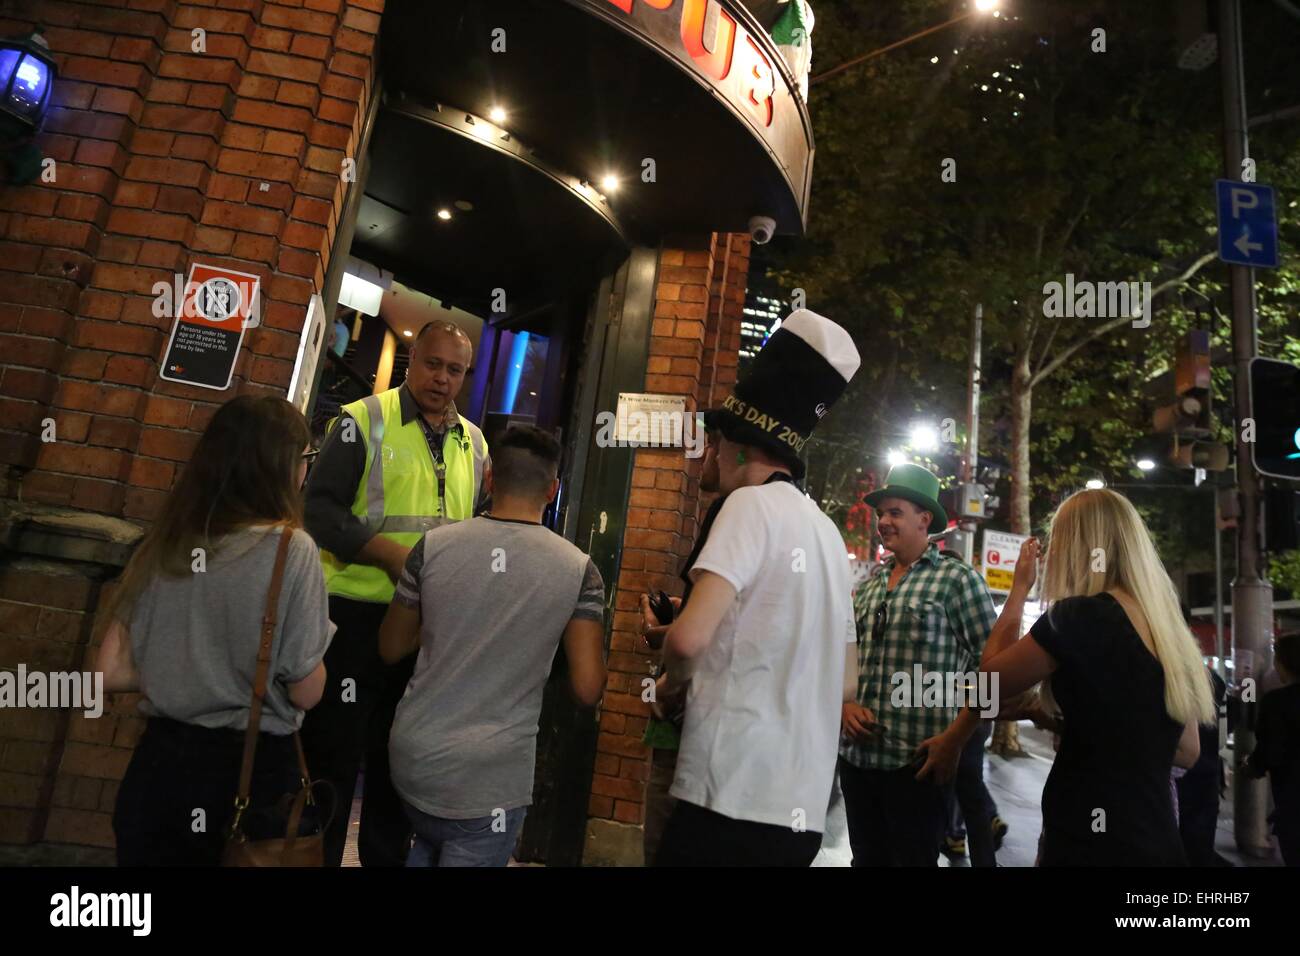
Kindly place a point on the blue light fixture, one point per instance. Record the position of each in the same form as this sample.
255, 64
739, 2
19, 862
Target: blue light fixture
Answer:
27, 75
518, 352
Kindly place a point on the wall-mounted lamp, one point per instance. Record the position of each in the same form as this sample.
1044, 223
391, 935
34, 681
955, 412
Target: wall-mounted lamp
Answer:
27, 74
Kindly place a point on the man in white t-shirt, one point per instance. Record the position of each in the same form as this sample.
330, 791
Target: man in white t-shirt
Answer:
767, 641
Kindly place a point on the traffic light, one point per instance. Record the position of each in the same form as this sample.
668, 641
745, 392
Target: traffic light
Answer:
1275, 407
1281, 519
1190, 420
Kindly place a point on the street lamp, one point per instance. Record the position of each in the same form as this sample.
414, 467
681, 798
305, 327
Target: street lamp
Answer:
980, 8
27, 76
925, 438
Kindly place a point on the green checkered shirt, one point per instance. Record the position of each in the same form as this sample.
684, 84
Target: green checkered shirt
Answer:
940, 614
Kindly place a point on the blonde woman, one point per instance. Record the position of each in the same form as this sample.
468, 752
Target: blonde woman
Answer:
1119, 665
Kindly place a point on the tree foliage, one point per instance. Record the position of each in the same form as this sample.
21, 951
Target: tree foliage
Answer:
1067, 160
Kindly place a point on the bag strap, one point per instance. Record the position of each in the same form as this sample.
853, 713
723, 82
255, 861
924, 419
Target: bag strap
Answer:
259, 680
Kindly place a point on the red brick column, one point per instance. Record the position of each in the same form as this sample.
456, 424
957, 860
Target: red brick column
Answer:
695, 339
164, 155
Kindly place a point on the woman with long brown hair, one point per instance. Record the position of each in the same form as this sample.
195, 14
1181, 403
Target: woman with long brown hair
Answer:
185, 623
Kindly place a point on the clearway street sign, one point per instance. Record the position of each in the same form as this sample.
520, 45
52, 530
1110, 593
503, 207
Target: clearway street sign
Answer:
1247, 224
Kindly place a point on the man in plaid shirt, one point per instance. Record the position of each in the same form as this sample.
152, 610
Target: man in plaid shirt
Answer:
921, 607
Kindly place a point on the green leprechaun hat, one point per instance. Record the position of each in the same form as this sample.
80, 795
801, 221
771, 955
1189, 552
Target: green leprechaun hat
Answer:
917, 485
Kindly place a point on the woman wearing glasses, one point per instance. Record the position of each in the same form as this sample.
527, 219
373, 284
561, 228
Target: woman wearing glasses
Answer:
186, 625
1119, 665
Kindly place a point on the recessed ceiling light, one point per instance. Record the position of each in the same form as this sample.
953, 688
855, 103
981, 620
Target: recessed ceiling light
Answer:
444, 214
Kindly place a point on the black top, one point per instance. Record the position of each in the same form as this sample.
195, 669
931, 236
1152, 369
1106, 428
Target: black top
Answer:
1107, 800
1277, 737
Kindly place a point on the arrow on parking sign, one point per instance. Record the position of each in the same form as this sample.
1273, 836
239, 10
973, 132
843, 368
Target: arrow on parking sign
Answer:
1244, 245
1247, 224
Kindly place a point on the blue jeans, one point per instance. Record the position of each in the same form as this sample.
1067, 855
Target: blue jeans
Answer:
443, 842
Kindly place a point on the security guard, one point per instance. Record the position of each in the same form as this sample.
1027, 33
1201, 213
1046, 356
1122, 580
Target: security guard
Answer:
393, 466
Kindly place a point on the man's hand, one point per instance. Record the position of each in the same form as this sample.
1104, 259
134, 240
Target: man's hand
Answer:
941, 754
857, 722
653, 631
385, 553
668, 700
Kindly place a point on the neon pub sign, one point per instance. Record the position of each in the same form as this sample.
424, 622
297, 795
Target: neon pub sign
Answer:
721, 49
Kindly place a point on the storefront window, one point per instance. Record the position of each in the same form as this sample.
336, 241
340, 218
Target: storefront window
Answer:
519, 375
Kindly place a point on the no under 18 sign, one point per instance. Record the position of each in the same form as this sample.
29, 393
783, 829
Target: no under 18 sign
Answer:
216, 306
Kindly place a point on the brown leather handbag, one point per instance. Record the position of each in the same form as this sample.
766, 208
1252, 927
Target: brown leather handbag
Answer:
292, 850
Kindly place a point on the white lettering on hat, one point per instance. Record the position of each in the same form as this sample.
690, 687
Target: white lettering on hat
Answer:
820, 410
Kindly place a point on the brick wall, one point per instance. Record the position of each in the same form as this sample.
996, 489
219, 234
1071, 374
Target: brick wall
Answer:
695, 340
232, 156
163, 156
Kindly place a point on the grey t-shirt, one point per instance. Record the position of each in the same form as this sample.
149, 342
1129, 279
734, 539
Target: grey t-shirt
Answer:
195, 637
494, 599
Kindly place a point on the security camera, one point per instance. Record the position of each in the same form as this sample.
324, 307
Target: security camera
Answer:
761, 229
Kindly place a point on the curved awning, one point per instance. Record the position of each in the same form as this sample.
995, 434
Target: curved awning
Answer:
463, 210
691, 95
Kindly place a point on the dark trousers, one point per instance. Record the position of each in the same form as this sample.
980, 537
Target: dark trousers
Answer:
178, 794
968, 800
893, 819
659, 803
1286, 817
351, 723
699, 837
1198, 815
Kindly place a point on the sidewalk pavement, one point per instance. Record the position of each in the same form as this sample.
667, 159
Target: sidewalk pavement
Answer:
1017, 788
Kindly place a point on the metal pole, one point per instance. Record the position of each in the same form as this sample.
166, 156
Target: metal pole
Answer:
1252, 595
1218, 591
969, 525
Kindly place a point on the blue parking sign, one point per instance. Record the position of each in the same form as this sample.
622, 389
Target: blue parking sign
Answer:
1247, 224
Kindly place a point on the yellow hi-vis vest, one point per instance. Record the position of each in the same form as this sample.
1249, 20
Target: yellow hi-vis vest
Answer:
398, 493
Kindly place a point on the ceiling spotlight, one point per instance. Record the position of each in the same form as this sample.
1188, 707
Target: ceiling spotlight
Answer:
497, 115
406, 332
444, 214
609, 183
986, 6
895, 458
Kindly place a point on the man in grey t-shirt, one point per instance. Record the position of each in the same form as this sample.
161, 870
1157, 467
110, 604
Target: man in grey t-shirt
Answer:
486, 601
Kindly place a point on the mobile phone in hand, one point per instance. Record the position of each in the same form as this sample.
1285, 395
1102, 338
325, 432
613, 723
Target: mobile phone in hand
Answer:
662, 607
